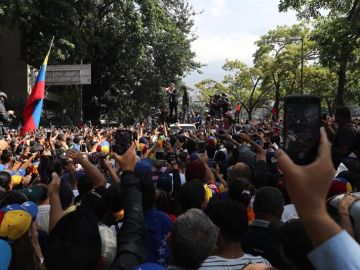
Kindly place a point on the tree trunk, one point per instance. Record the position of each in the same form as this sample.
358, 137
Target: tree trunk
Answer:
339, 100
275, 110
249, 112
330, 107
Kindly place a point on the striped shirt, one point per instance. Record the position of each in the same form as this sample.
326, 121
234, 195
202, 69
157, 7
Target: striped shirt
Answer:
219, 263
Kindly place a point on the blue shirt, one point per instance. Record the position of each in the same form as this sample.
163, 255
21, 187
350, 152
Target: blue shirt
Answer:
340, 252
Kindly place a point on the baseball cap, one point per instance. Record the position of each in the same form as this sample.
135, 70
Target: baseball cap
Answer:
143, 140
17, 176
34, 193
28, 206
14, 224
5, 255
144, 167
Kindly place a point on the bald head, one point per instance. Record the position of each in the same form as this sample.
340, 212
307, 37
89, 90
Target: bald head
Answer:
240, 171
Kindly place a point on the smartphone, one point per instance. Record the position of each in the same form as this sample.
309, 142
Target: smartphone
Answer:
48, 135
102, 162
201, 147
302, 128
138, 153
160, 156
123, 140
83, 148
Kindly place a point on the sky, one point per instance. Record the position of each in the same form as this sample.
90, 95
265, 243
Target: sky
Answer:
227, 29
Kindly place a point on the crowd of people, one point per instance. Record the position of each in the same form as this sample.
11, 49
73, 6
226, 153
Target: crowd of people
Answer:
146, 197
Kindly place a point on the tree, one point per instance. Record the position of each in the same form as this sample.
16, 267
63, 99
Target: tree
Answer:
337, 34
322, 82
135, 47
279, 56
245, 85
210, 88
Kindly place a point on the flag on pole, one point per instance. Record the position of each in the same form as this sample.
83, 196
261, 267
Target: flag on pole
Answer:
33, 107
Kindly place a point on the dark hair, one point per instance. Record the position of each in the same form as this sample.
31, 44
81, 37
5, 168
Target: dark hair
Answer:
84, 186
231, 217
148, 194
6, 156
190, 145
5, 180
164, 202
211, 150
23, 254
343, 112
117, 195
13, 197
97, 201
44, 196
191, 195
48, 165
268, 200
296, 244
241, 191
74, 243
220, 156
66, 195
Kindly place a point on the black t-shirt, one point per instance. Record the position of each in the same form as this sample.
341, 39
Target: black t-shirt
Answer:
173, 97
345, 135
261, 240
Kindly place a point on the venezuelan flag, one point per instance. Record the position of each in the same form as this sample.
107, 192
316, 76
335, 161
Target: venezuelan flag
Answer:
33, 107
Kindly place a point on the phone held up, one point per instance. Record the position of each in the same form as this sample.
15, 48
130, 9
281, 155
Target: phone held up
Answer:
302, 128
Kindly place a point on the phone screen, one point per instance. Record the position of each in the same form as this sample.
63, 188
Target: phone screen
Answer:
83, 148
201, 147
160, 155
302, 128
48, 135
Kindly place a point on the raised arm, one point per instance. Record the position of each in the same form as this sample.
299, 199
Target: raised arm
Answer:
97, 178
325, 234
56, 211
131, 238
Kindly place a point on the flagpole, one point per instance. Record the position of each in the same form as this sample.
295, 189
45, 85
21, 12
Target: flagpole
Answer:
51, 44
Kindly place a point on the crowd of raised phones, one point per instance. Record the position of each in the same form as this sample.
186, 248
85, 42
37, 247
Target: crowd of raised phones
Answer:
212, 198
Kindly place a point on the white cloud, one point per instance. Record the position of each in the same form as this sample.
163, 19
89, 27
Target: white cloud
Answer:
219, 8
234, 46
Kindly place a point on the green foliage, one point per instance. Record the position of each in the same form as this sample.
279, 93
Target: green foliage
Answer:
322, 82
279, 55
210, 88
277, 72
337, 34
135, 47
245, 85
248, 86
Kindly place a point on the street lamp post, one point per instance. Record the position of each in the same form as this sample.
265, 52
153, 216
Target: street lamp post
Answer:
302, 66
302, 61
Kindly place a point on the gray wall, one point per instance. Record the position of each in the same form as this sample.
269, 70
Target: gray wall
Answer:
13, 71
